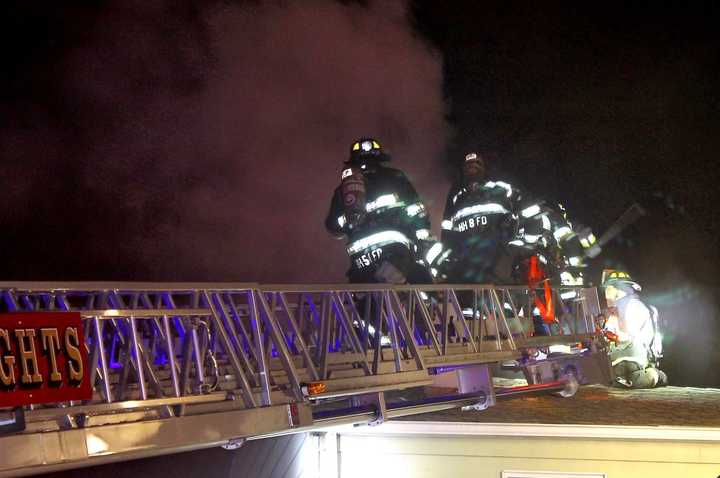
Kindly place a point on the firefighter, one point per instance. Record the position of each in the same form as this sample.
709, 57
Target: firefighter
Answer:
572, 246
563, 246
559, 250
481, 228
636, 344
377, 210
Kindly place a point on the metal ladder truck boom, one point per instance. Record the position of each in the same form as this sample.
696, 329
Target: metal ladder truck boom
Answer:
94, 372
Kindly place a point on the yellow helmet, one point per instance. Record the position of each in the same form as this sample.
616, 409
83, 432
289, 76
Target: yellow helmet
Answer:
367, 149
618, 278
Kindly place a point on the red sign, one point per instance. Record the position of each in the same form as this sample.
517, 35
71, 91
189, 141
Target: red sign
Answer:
43, 358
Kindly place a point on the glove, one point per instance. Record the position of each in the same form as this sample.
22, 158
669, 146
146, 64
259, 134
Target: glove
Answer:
611, 336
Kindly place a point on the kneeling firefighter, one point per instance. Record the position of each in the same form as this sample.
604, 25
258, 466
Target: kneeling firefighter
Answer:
381, 215
632, 328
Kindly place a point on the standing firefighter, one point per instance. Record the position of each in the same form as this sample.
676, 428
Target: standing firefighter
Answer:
632, 328
481, 229
381, 215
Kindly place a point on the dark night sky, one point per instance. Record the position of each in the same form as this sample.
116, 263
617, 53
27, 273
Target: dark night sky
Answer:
188, 141
600, 109
585, 99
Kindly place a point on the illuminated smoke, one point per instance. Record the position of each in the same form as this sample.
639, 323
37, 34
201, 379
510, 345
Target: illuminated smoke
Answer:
205, 143
679, 278
672, 257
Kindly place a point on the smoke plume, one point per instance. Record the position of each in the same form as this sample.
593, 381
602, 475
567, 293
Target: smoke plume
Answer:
204, 143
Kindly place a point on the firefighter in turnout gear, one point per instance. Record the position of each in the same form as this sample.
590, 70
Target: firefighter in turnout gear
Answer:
382, 217
632, 329
555, 239
481, 229
558, 253
573, 244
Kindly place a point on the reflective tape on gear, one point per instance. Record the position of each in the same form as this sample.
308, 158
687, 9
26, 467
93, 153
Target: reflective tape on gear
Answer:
530, 211
433, 252
386, 200
377, 240
414, 209
561, 232
486, 208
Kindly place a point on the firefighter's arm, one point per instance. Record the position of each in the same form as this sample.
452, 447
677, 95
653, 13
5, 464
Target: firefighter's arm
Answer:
529, 208
530, 216
568, 240
530, 230
449, 239
608, 328
573, 252
415, 215
612, 330
415, 219
637, 319
446, 226
335, 220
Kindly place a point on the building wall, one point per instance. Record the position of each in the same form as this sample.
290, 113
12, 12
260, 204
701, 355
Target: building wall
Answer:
487, 457
280, 457
461, 450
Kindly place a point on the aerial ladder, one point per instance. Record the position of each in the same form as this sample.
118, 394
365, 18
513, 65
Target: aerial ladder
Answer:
182, 366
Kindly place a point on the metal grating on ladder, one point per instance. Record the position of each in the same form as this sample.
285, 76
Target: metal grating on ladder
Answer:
203, 355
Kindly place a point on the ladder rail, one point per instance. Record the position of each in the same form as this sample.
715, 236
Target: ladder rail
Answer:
145, 345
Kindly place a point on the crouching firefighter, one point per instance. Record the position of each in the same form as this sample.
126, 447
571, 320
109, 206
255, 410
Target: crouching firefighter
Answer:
382, 217
632, 328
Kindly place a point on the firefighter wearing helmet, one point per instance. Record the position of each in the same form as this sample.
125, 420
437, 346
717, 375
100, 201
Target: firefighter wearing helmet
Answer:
632, 328
379, 213
482, 228
566, 245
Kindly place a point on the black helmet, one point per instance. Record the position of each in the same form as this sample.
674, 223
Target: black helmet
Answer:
367, 149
